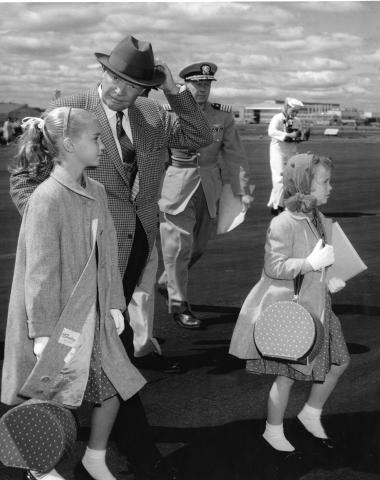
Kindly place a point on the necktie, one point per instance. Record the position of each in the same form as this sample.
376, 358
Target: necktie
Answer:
128, 155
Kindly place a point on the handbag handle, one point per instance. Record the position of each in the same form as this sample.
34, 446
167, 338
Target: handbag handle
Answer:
297, 284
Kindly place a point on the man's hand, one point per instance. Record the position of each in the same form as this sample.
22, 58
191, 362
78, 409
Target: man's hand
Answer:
169, 86
246, 201
118, 318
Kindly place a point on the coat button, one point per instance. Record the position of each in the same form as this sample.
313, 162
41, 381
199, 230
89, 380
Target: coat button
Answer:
45, 379
129, 235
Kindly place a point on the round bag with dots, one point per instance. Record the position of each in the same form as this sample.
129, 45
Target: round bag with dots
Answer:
287, 331
36, 434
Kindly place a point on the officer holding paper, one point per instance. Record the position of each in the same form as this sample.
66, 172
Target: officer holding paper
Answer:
191, 190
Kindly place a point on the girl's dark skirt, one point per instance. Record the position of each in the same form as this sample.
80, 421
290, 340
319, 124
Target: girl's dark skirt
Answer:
99, 387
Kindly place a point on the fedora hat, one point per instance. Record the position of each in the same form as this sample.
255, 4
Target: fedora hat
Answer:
133, 60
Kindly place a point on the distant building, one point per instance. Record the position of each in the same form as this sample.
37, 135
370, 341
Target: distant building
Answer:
238, 113
261, 112
17, 111
311, 113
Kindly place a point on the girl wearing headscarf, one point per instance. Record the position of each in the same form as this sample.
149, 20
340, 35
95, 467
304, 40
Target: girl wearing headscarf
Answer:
297, 242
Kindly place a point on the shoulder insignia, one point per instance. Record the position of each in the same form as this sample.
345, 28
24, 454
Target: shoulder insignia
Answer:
222, 107
167, 107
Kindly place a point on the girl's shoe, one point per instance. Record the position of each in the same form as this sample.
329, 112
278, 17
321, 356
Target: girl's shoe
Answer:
327, 443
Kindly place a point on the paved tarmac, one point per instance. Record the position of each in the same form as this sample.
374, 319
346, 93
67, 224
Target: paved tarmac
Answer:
208, 420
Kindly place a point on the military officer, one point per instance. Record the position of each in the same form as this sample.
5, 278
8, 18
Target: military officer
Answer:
191, 189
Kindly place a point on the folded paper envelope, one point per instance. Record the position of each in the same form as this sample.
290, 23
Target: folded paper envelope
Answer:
347, 263
231, 211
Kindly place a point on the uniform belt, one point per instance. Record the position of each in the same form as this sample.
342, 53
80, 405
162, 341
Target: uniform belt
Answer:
191, 163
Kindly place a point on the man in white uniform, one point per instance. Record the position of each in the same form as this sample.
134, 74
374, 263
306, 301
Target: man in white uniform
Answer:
285, 132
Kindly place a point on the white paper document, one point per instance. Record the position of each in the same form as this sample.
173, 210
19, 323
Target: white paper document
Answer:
231, 210
347, 263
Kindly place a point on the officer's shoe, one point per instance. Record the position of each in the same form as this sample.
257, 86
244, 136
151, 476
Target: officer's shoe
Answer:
187, 319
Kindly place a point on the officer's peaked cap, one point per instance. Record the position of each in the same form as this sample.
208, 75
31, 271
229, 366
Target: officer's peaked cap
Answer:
199, 71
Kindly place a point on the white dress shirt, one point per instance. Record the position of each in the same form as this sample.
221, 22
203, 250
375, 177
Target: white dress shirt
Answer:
112, 119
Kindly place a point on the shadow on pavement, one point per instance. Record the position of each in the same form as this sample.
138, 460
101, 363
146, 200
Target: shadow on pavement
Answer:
236, 450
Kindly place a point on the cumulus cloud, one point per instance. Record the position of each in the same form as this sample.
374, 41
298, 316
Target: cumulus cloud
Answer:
312, 79
331, 7
366, 57
321, 63
263, 49
290, 32
317, 43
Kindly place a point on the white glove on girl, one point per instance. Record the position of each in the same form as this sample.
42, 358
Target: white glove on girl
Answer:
321, 256
335, 284
118, 318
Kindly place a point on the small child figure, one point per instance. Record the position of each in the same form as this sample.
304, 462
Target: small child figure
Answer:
297, 243
65, 312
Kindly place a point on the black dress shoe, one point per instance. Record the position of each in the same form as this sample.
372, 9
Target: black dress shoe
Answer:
270, 452
322, 443
154, 361
187, 319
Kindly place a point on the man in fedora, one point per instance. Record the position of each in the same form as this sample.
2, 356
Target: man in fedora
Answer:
191, 190
136, 132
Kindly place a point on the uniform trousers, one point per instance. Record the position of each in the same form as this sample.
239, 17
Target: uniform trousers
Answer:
279, 156
184, 238
141, 309
133, 433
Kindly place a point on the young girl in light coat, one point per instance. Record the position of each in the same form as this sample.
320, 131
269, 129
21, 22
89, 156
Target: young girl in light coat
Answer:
65, 311
297, 243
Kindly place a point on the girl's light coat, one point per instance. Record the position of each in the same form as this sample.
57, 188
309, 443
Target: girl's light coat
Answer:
54, 293
291, 237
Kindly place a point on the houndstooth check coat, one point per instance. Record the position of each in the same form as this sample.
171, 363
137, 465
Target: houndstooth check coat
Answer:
154, 130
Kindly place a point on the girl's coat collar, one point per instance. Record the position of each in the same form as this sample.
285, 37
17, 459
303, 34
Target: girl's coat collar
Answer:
302, 216
64, 178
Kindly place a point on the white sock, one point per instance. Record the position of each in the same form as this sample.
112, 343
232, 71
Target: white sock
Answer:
52, 475
274, 435
94, 461
310, 417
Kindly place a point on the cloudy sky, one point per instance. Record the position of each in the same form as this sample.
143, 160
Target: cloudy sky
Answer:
316, 51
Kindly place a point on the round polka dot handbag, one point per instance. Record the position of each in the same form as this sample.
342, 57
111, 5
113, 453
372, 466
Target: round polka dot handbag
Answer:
287, 331
36, 434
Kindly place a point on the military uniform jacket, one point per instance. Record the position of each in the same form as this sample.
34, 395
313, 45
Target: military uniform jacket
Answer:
223, 161
154, 130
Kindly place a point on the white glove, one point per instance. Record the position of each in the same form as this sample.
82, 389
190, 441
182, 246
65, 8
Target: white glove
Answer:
321, 256
118, 318
39, 345
335, 284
